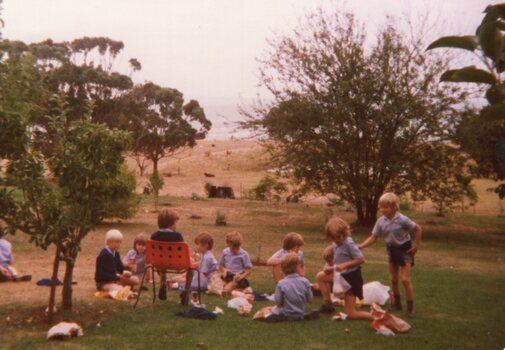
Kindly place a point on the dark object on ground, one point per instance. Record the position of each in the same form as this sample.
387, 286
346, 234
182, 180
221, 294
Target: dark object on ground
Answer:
209, 175
260, 297
313, 315
198, 313
327, 309
47, 282
194, 216
221, 192
162, 294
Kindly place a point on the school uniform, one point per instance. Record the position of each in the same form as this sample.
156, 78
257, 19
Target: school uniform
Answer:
281, 252
108, 266
235, 264
207, 265
293, 292
167, 235
140, 262
397, 234
347, 251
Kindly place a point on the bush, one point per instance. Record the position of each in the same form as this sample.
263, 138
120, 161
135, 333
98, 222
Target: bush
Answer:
220, 218
267, 189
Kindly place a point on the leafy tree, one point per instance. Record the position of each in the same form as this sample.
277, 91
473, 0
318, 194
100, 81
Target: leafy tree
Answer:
268, 188
349, 120
88, 179
157, 183
162, 124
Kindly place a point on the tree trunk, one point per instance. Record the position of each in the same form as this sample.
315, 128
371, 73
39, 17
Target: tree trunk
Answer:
360, 213
67, 284
155, 165
54, 277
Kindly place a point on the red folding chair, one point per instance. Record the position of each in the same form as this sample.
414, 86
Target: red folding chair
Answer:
167, 257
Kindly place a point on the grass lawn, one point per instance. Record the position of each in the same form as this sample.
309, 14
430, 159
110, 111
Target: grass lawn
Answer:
459, 281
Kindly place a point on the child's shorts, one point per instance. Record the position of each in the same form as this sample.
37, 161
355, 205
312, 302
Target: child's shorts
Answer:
355, 280
242, 284
398, 254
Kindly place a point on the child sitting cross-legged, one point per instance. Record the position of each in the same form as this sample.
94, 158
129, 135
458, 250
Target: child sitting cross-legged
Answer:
292, 292
234, 264
110, 273
135, 259
207, 264
291, 243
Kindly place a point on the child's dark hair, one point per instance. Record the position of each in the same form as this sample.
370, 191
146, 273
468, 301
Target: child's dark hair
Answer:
141, 238
167, 218
292, 240
234, 239
206, 239
289, 263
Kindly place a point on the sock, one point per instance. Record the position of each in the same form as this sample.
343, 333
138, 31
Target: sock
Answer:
398, 301
410, 305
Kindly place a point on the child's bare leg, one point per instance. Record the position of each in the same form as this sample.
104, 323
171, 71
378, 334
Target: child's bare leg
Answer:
130, 281
350, 309
323, 281
277, 273
393, 274
409, 289
109, 287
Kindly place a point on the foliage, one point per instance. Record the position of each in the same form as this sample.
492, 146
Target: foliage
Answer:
89, 185
220, 218
268, 188
156, 182
207, 187
348, 120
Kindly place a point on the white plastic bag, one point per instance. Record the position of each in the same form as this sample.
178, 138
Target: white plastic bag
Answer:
375, 292
340, 285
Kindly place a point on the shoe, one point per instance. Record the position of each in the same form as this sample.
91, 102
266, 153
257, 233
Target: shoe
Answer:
313, 315
395, 307
327, 309
184, 298
24, 278
410, 314
162, 294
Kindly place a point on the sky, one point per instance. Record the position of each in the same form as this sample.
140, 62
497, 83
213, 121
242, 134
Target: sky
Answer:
207, 49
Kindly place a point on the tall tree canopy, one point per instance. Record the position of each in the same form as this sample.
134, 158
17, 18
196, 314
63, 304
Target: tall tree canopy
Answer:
350, 118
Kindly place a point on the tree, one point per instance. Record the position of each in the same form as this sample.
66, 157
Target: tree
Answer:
162, 124
346, 119
88, 180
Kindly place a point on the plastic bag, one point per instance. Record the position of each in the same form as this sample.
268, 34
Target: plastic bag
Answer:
384, 318
263, 313
340, 285
375, 292
215, 285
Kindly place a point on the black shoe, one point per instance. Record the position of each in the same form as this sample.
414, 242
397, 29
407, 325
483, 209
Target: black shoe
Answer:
184, 298
162, 294
313, 315
327, 309
395, 307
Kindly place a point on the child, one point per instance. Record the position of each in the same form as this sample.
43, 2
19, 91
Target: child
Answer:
396, 229
167, 232
135, 259
234, 264
347, 259
208, 264
109, 273
292, 292
328, 258
292, 242
7, 272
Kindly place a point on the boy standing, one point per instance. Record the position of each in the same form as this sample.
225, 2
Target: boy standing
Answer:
292, 292
396, 229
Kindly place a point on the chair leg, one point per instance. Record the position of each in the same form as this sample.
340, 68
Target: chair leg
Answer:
141, 285
154, 285
199, 289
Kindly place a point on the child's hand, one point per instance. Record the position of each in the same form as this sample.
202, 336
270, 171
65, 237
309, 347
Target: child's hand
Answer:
329, 270
412, 251
340, 267
237, 278
224, 272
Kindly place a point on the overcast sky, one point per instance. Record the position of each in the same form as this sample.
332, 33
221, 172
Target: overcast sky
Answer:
207, 48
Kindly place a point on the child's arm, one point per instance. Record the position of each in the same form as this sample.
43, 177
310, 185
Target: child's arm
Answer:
418, 232
345, 265
222, 270
273, 261
242, 275
368, 242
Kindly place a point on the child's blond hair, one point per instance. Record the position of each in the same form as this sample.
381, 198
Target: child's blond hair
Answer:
113, 235
292, 240
234, 239
336, 227
167, 218
328, 254
206, 239
390, 200
289, 263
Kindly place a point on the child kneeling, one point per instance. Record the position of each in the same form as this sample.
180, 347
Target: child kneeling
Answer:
292, 293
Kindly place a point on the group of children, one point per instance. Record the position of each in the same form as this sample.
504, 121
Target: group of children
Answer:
293, 291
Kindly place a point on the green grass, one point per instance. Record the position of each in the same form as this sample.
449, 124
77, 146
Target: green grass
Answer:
459, 281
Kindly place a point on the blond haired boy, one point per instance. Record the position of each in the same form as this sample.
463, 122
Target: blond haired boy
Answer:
291, 243
234, 263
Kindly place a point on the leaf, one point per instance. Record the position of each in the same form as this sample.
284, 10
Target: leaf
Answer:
469, 74
490, 40
466, 42
494, 112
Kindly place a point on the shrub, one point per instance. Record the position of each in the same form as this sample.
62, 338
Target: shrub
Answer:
220, 218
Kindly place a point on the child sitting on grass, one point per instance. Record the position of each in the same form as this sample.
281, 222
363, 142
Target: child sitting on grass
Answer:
347, 259
208, 264
291, 243
7, 271
328, 258
135, 259
396, 229
110, 273
292, 292
234, 264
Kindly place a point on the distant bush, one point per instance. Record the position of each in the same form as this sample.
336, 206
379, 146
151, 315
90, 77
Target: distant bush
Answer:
268, 188
220, 218
196, 197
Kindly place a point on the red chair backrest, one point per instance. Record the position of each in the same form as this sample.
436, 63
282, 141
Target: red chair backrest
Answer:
168, 255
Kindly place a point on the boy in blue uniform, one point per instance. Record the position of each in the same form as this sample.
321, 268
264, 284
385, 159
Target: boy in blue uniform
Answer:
234, 264
396, 229
292, 292
7, 271
292, 242
208, 264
